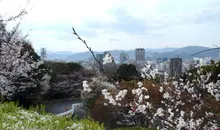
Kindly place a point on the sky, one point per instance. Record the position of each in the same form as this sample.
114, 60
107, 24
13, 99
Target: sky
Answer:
117, 24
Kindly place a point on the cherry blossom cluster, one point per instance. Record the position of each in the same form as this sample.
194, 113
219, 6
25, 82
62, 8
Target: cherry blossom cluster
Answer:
17, 69
86, 86
94, 87
107, 59
176, 95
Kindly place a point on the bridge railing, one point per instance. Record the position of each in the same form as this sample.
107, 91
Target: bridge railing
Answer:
71, 111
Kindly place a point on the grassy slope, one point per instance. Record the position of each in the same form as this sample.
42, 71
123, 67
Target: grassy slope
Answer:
13, 117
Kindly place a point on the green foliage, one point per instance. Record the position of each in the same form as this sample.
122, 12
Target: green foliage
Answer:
212, 62
62, 68
214, 69
27, 47
91, 102
14, 117
135, 128
127, 72
89, 124
1, 99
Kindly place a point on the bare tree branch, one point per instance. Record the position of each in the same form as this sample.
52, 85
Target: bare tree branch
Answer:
22, 13
89, 48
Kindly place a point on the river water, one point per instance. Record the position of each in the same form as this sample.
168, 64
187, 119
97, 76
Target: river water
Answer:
59, 105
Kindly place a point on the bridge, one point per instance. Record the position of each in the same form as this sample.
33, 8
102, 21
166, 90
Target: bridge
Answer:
71, 111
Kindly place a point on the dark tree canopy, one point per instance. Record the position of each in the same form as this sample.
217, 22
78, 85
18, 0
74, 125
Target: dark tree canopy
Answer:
213, 68
127, 72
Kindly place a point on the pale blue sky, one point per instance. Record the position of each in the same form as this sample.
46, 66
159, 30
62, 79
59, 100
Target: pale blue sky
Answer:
119, 24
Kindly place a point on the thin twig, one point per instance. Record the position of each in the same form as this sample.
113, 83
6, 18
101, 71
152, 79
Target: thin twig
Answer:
23, 12
89, 48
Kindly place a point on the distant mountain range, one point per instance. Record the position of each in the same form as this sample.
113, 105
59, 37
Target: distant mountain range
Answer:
184, 53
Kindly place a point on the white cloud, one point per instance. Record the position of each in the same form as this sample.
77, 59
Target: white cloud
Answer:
160, 23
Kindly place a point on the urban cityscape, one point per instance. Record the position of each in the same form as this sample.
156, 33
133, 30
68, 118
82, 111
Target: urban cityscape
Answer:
174, 67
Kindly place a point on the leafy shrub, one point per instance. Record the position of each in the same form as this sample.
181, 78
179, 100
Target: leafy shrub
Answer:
14, 117
214, 69
59, 68
64, 67
127, 72
97, 84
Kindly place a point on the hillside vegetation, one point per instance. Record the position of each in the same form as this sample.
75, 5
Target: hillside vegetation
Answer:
17, 118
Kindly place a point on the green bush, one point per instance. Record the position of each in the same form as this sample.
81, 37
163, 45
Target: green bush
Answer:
62, 68
214, 69
14, 117
127, 72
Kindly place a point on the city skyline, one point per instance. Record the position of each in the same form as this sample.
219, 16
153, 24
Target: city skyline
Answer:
118, 24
